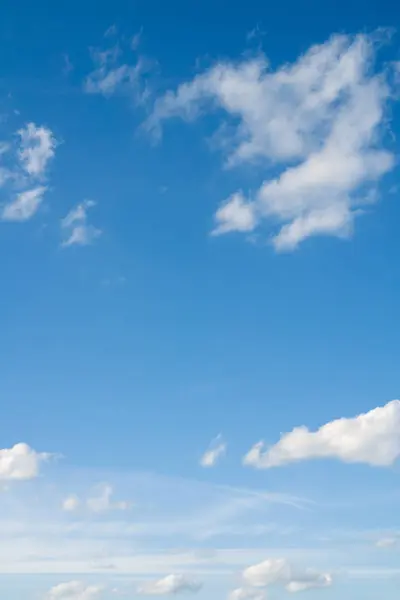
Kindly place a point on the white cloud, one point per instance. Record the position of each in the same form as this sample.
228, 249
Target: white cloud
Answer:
103, 501
20, 462
387, 542
246, 594
372, 438
71, 503
24, 206
171, 584
279, 571
214, 453
37, 148
78, 231
236, 214
318, 122
268, 572
309, 580
110, 77
74, 590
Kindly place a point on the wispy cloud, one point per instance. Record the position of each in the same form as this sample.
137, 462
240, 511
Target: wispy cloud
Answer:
95, 529
27, 172
76, 228
318, 121
103, 502
119, 70
214, 453
24, 205
37, 149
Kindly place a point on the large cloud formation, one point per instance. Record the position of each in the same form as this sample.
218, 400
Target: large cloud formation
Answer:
315, 127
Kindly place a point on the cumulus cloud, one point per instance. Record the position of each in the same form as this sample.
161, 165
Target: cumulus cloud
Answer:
246, 594
171, 584
74, 590
372, 438
21, 462
75, 226
24, 206
268, 572
316, 124
37, 148
214, 453
278, 571
235, 214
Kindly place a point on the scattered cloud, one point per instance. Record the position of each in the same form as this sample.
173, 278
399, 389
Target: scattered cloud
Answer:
111, 31
76, 227
137, 39
246, 594
103, 501
36, 149
111, 75
215, 452
171, 584
279, 571
26, 170
309, 580
24, 206
74, 590
317, 122
372, 438
269, 571
68, 66
21, 462
71, 503
389, 542
235, 215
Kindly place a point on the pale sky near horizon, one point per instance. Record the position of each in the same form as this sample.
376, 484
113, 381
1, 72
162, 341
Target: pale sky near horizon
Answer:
199, 311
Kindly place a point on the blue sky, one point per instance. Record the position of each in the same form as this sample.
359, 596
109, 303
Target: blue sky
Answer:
198, 224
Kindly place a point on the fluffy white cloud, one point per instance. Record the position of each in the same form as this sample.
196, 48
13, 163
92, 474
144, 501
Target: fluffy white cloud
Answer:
103, 501
236, 214
76, 227
372, 438
37, 148
20, 462
246, 594
171, 584
74, 590
215, 451
317, 122
279, 571
24, 206
270, 571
